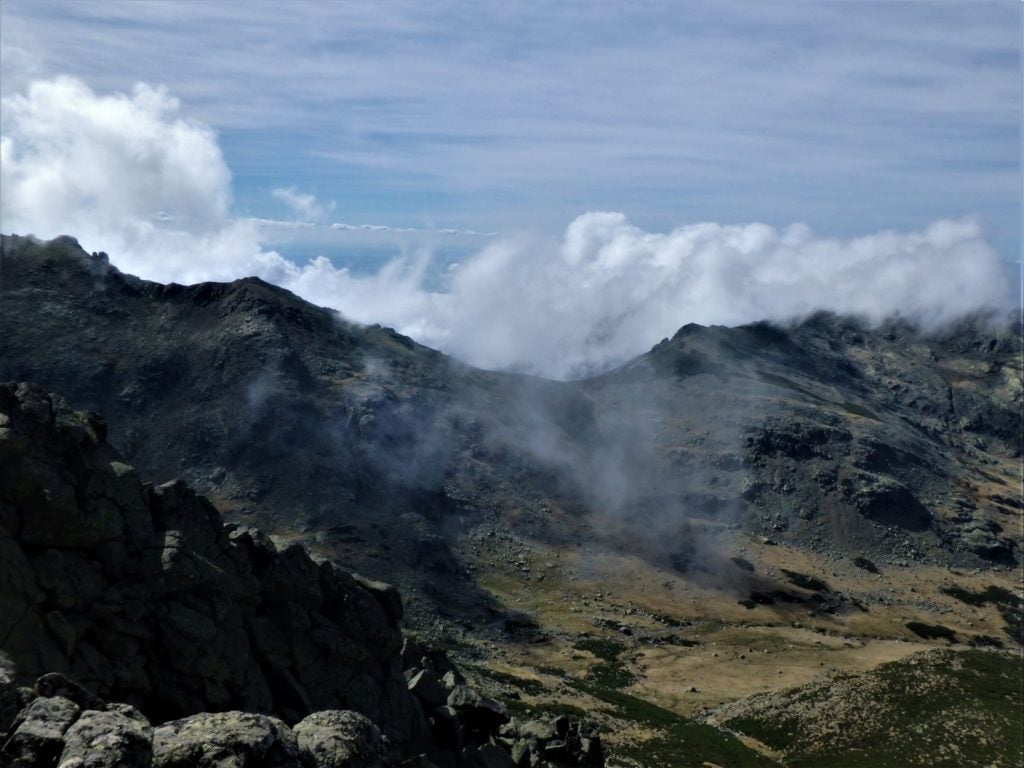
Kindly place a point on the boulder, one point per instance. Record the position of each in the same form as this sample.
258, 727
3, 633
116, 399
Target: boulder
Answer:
490, 756
478, 712
341, 739
428, 689
235, 739
10, 697
38, 736
107, 739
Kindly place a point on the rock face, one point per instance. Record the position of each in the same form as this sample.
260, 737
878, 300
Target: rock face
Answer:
143, 595
117, 590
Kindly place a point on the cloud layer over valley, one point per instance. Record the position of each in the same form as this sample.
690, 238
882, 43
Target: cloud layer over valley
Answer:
128, 174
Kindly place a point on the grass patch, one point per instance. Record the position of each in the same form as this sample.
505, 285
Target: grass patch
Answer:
784, 383
611, 672
602, 648
525, 684
678, 742
942, 709
613, 675
522, 709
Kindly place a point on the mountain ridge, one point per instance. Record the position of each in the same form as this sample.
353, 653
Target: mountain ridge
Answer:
381, 422
828, 494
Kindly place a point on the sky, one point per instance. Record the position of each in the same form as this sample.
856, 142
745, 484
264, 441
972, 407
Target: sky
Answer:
543, 186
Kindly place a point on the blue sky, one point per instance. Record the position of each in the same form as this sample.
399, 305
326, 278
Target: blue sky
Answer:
550, 187
849, 116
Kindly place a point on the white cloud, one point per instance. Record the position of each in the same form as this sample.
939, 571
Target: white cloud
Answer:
128, 175
123, 172
608, 290
304, 206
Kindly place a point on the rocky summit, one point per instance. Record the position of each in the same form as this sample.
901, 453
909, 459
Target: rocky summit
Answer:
738, 512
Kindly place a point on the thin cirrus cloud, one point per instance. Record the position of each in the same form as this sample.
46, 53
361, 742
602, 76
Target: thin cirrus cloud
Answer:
129, 174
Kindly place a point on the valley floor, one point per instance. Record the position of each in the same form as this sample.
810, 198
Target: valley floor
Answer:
661, 656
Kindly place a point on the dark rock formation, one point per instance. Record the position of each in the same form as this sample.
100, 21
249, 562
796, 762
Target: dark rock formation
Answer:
116, 590
145, 596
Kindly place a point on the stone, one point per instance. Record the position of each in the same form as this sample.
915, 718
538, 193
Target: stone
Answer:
107, 740
385, 594
10, 698
490, 756
447, 728
520, 753
38, 736
428, 689
478, 712
341, 739
223, 740
543, 730
154, 601
55, 684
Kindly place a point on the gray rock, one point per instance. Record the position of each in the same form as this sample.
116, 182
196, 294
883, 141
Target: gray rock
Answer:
520, 753
107, 740
38, 736
341, 739
478, 712
544, 730
385, 594
150, 599
225, 740
10, 699
54, 684
452, 679
428, 689
447, 728
490, 756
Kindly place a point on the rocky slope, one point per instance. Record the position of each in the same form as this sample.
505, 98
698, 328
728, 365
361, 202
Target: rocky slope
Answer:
111, 589
828, 435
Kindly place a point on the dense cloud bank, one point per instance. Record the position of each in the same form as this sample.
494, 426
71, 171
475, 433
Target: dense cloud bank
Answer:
128, 175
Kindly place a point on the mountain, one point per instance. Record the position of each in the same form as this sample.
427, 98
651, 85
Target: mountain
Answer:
824, 431
826, 493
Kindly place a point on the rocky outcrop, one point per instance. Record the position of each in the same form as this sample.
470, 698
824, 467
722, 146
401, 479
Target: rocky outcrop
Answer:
144, 595
216, 640
53, 730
